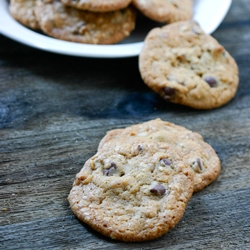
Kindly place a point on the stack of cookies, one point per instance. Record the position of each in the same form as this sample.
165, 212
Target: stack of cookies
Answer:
137, 186
90, 21
95, 21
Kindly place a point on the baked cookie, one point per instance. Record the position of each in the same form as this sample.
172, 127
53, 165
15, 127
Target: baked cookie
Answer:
66, 23
98, 5
186, 66
23, 12
190, 146
168, 11
135, 192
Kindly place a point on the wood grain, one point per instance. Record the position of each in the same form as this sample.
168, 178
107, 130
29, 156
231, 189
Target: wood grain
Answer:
55, 109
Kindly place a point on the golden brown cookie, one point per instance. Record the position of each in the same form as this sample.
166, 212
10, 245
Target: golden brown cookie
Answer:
137, 191
168, 11
98, 5
186, 66
23, 11
190, 146
74, 25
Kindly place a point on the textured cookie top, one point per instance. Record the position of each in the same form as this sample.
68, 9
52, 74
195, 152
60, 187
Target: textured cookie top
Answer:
186, 66
135, 192
74, 25
165, 10
23, 11
190, 146
98, 5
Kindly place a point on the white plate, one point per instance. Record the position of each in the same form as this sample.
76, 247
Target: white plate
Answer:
208, 13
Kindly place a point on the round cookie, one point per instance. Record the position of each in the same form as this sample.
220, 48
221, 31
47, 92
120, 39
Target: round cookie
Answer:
190, 146
66, 23
168, 11
98, 5
23, 11
186, 66
137, 191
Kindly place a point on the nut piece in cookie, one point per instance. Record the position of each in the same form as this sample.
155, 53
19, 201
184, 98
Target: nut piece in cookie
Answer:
130, 192
23, 11
167, 11
98, 5
186, 66
191, 147
66, 23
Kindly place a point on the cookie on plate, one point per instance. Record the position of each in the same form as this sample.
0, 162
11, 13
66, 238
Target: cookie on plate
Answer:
66, 23
23, 11
186, 66
168, 11
98, 5
137, 191
190, 146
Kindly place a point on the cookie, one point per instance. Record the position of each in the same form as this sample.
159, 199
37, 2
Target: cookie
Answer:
168, 11
23, 12
190, 146
186, 66
137, 191
66, 23
98, 5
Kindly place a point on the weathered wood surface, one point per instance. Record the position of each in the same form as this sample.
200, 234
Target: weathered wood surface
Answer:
54, 110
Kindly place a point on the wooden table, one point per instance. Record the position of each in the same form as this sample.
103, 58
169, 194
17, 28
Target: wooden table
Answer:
54, 110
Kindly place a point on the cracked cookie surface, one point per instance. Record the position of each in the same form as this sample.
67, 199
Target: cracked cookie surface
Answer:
23, 11
190, 146
98, 5
168, 11
66, 23
186, 66
137, 191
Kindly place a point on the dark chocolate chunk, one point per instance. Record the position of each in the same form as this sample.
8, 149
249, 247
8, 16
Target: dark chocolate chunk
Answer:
199, 164
166, 161
110, 170
169, 92
158, 190
140, 147
212, 82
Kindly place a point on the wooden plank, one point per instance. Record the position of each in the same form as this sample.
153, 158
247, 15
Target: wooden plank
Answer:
55, 109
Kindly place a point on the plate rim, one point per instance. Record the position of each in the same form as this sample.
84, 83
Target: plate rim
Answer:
54, 45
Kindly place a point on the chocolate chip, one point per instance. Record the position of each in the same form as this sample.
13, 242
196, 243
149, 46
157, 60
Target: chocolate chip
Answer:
199, 164
212, 82
166, 161
140, 147
158, 190
110, 170
169, 92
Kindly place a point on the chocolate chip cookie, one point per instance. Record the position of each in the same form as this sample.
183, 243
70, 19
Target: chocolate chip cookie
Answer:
98, 5
190, 146
137, 191
168, 11
23, 11
186, 66
66, 23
